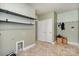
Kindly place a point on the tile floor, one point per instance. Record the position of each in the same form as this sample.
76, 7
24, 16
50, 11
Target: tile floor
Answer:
48, 49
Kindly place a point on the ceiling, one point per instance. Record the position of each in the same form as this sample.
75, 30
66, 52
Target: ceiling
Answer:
57, 7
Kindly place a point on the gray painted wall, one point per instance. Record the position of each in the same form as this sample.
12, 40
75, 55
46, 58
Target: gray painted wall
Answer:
69, 32
55, 25
78, 25
47, 15
10, 33
70, 18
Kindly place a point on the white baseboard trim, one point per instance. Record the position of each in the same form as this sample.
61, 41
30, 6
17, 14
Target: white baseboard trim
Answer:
74, 43
28, 47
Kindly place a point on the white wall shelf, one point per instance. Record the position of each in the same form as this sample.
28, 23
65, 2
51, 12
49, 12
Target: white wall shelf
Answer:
16, 22
11, 18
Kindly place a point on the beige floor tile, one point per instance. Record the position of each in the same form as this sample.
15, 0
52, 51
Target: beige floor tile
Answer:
48, 49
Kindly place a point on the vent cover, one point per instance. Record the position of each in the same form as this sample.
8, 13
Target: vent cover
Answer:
19, 46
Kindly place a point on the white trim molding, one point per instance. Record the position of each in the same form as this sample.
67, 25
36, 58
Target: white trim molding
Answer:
28, 47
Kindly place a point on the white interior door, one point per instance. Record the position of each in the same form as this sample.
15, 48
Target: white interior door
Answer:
41, 30
49, 30
45, 30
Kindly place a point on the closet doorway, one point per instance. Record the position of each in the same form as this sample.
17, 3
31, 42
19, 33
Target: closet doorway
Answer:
46, 30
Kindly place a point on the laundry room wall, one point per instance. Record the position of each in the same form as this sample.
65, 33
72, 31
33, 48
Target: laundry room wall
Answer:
10, 33
70, 19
